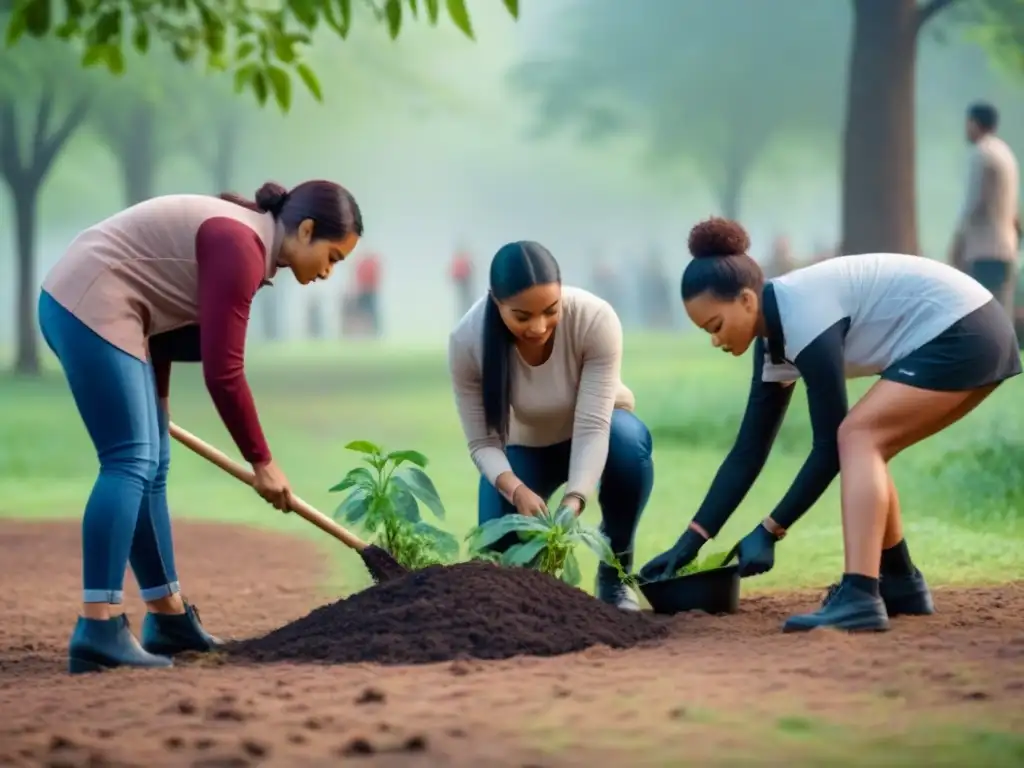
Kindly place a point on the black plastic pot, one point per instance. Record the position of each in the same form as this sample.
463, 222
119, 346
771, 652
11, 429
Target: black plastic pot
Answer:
716, 590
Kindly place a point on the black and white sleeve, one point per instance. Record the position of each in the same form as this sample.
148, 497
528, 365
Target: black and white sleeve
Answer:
766, 407
822, 368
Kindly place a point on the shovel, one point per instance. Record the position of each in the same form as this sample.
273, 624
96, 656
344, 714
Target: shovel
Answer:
379, 562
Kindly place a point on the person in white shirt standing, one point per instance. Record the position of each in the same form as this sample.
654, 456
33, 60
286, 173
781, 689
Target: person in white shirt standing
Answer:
987, 238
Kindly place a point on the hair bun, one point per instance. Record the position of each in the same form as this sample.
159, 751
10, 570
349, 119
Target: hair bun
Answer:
716, 238
271, 197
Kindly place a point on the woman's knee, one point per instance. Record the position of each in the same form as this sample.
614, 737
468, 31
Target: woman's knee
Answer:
856, 436
629, 442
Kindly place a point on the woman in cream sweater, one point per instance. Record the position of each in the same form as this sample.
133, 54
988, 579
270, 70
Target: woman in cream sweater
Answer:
535, 370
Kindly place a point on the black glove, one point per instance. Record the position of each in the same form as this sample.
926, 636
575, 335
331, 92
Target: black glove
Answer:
756, 552
665, 565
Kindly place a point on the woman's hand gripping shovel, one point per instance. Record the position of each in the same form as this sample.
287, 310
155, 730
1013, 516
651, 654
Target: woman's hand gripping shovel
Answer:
379, 562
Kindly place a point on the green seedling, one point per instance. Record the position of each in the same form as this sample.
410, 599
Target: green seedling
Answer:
707, 563
384, 499
547, 543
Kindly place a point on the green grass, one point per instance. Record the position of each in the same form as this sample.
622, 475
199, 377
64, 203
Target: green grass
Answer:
960, 491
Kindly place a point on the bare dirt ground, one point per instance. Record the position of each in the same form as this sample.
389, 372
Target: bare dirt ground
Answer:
729, 690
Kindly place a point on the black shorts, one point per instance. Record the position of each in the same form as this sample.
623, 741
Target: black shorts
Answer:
976, 351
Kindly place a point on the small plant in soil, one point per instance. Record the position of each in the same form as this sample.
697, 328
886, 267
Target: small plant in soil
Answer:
384, 499
547, 543
707, 563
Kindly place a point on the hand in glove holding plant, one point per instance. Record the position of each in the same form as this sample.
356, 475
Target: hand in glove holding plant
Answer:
668, 563
756, 550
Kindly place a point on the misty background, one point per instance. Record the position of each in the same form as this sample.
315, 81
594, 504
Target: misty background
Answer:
601, 131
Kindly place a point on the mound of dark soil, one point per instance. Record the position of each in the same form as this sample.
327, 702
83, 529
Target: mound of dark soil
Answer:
475, 610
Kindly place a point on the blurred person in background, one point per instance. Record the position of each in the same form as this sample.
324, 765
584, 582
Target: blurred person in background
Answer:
987, 237
367, 293
462, 275
655, 292
939, 343
535, 367
127, 299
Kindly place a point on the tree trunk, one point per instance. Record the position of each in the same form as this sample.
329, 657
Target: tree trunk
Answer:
26, 196
879, 209
225, 150
730, 193
136, 153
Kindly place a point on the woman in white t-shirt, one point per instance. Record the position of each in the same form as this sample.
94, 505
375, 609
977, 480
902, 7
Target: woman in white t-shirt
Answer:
939, 342
535, 369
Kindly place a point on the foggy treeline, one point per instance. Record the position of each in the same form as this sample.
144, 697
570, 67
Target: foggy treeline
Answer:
602, 128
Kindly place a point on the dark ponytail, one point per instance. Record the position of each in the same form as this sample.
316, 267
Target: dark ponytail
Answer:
514, 268
332, 208
270, 198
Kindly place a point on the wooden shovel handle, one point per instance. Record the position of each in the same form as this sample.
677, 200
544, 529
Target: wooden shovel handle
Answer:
236, 470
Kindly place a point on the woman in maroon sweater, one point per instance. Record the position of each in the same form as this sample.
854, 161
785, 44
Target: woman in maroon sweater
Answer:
172, 278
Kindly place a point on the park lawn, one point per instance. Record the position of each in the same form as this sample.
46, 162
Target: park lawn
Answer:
959, 491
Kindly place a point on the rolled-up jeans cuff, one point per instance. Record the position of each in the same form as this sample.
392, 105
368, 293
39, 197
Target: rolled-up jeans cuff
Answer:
112, 596
156, 593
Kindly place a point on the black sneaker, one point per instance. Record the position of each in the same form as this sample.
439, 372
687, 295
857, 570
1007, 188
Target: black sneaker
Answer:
845, 607
610, 589
906, 595
903, 595
170, 634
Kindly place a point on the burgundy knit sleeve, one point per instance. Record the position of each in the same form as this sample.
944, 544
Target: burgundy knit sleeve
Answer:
231, 261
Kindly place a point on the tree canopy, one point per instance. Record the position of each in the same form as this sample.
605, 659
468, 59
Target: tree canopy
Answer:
710, 83
261, 44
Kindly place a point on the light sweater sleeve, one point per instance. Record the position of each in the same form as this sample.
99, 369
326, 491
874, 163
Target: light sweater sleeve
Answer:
974, 199
595, 401
485, 447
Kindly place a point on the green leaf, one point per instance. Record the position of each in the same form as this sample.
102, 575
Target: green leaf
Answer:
457, 10
305, 11
363, 446
393, 14
244, 76
571, 569
354, 507
446, 545
597, 543
341, 23
245, 49
513, 8
281, 85
309, 78
259, 86
524, 553
140, 37
360, 476
414, 6
413, 457
433, 11
422, 487
566, 518
493, 530
37, 16
404, 503
15, 26
108, 28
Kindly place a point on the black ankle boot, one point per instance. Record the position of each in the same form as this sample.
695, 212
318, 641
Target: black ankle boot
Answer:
171, 634
99, 644
845, 607
906, 594
610, 589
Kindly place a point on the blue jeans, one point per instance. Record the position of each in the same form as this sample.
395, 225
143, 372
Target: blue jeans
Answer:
625, 486
126, 518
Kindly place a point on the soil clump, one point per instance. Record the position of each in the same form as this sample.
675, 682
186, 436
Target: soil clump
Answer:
442, 613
